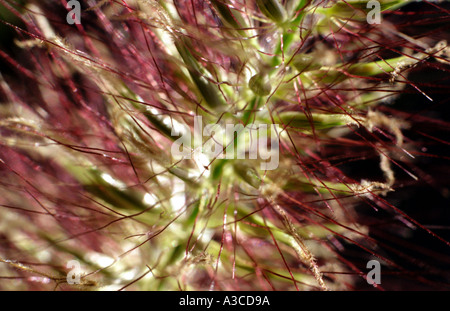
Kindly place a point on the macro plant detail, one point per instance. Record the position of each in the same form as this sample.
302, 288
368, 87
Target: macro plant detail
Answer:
91, 108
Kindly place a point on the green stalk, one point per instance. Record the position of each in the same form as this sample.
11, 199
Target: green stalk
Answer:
272, 9
208, 90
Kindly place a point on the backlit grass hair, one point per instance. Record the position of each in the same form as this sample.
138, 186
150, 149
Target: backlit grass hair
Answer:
87, 120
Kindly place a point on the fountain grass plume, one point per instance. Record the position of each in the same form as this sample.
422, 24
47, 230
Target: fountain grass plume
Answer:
89, 113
